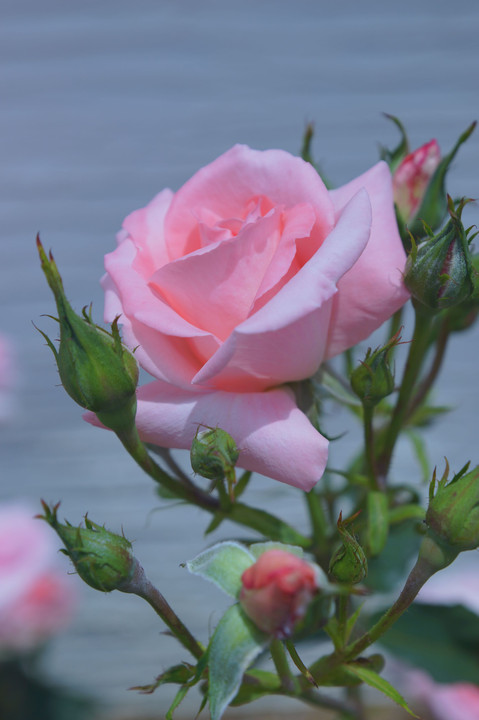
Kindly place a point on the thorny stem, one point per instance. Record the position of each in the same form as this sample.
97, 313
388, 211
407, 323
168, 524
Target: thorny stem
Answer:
141, 586
258, 520
426, 384
368, 413
417, 352
278, 654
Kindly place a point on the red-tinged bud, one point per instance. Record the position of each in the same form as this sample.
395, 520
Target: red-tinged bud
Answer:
95, 368
433, 206
412, 177
439, 272
277, 590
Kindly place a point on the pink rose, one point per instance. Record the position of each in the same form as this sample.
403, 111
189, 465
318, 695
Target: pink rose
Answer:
412, 177
244, 280
35, 595
277, 590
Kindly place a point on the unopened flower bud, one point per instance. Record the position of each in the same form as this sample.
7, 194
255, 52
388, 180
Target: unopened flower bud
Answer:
213, 453
412, 177
439, 272
373, 380
453, 513
433, 205
277, 590
102, 559
95, 368
348, 564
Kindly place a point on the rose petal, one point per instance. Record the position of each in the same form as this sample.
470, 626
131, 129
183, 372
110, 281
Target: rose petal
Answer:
146, 229
163, 335
274, 437
373, 289
214, 288
227, 185
286, 339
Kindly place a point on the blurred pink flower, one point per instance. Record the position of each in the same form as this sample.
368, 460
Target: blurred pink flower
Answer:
457, 701
457, 584
35, 596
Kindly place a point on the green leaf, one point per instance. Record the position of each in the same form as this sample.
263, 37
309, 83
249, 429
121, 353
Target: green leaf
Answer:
223, 564
180, 695
374, 680
258, 549
443, 640
234, 646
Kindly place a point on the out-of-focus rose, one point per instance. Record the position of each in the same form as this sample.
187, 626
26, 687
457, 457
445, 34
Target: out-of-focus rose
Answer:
457, 701
35, 596
246, 279
412, 177
277, 590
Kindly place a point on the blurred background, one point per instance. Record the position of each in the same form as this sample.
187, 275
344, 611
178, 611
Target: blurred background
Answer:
105, 103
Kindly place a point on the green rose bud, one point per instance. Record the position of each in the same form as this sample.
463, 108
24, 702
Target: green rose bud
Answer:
102, 559
453, 513
348, 564
439, 272
96, 370
373, 380
213, 454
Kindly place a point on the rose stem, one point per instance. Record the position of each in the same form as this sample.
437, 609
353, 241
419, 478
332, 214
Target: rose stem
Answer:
417, 352
141, 586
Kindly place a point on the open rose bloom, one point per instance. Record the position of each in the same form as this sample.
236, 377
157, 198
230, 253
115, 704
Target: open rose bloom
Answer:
246, 279
35, 595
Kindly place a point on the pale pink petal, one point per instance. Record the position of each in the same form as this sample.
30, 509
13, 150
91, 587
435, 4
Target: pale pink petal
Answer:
162, 335
227, 185
297, 224
373, 289
286, 339
146, 228
274, 437
214, 288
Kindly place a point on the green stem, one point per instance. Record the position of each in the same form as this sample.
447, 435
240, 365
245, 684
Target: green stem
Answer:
342, 604
141, 586
318, 521
426, 384
288, 681
136, 448
417, 353
420, 573
368, 413
259, 520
